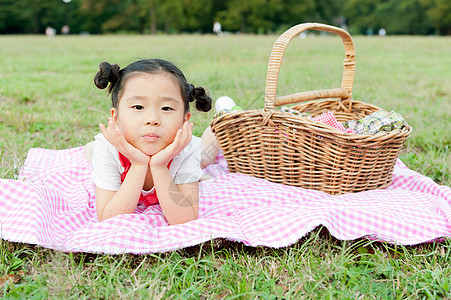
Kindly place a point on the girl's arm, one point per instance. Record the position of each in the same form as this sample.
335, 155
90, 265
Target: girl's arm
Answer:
123, 201
180, 203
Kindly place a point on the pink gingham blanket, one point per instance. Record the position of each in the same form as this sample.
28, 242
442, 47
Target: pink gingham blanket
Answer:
52, 204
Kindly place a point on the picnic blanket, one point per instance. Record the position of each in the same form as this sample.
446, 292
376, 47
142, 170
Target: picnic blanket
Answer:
52, 204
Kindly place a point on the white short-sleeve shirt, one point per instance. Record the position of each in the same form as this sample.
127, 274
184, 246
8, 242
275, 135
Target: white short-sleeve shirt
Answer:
184, 168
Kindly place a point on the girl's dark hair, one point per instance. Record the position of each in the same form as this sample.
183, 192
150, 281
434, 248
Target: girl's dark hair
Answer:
116, 77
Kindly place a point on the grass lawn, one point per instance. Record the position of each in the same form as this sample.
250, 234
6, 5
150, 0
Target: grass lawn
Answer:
48, 100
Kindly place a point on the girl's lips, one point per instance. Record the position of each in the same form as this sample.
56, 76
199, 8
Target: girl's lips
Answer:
151, 137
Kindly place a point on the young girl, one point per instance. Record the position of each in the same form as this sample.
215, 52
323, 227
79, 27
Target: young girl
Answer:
147, 154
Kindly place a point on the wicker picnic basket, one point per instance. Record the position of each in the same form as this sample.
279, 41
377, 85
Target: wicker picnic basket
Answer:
290, 149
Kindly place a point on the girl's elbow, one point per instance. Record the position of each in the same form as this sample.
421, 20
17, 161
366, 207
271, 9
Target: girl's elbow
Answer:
100, 217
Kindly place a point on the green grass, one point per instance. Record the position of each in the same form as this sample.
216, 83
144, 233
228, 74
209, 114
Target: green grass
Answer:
47, 99
316, 267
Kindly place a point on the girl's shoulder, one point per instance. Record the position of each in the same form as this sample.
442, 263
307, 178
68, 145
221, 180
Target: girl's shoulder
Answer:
192, 148
185, 167
101, 142
195, 142
105, 152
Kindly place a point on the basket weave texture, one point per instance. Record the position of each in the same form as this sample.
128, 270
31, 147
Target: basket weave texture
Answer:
290, 149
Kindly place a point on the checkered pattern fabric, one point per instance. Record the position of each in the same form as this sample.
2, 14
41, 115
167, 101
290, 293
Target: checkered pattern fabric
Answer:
52, 204
378, 121
329, 119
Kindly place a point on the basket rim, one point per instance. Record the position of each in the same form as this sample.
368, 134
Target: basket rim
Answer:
322, 127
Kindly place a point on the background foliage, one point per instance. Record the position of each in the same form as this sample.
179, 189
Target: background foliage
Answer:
421, 17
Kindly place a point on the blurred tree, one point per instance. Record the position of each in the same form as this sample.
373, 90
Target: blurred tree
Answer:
234, 16
143, 15
15, 17
253, 16
30, 16
163, 14
325, 11
297, 11
399, 17
439, 13
172, 10
197, 15
151, 7
109, 15
402, 17
359, 14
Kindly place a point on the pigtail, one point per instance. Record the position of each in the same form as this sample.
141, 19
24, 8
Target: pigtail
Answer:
107, 74
198, 94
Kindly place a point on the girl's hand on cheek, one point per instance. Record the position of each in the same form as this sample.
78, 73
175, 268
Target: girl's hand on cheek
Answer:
182, 139
114, 135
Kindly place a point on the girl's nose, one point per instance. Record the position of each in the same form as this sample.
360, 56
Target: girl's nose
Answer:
152, 117
153, 122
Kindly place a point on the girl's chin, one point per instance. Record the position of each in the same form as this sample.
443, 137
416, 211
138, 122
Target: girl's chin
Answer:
150, 152
150, 149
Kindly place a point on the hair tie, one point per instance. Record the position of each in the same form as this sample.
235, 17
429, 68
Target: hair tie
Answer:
190, 91
114, 74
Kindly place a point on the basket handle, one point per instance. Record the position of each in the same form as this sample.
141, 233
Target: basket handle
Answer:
275, 61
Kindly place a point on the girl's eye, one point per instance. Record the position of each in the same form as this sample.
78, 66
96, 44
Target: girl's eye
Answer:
167, 108
138, 107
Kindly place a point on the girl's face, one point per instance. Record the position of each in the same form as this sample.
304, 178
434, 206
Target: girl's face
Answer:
150, 111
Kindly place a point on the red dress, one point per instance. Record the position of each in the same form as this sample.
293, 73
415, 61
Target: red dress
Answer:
146, 200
